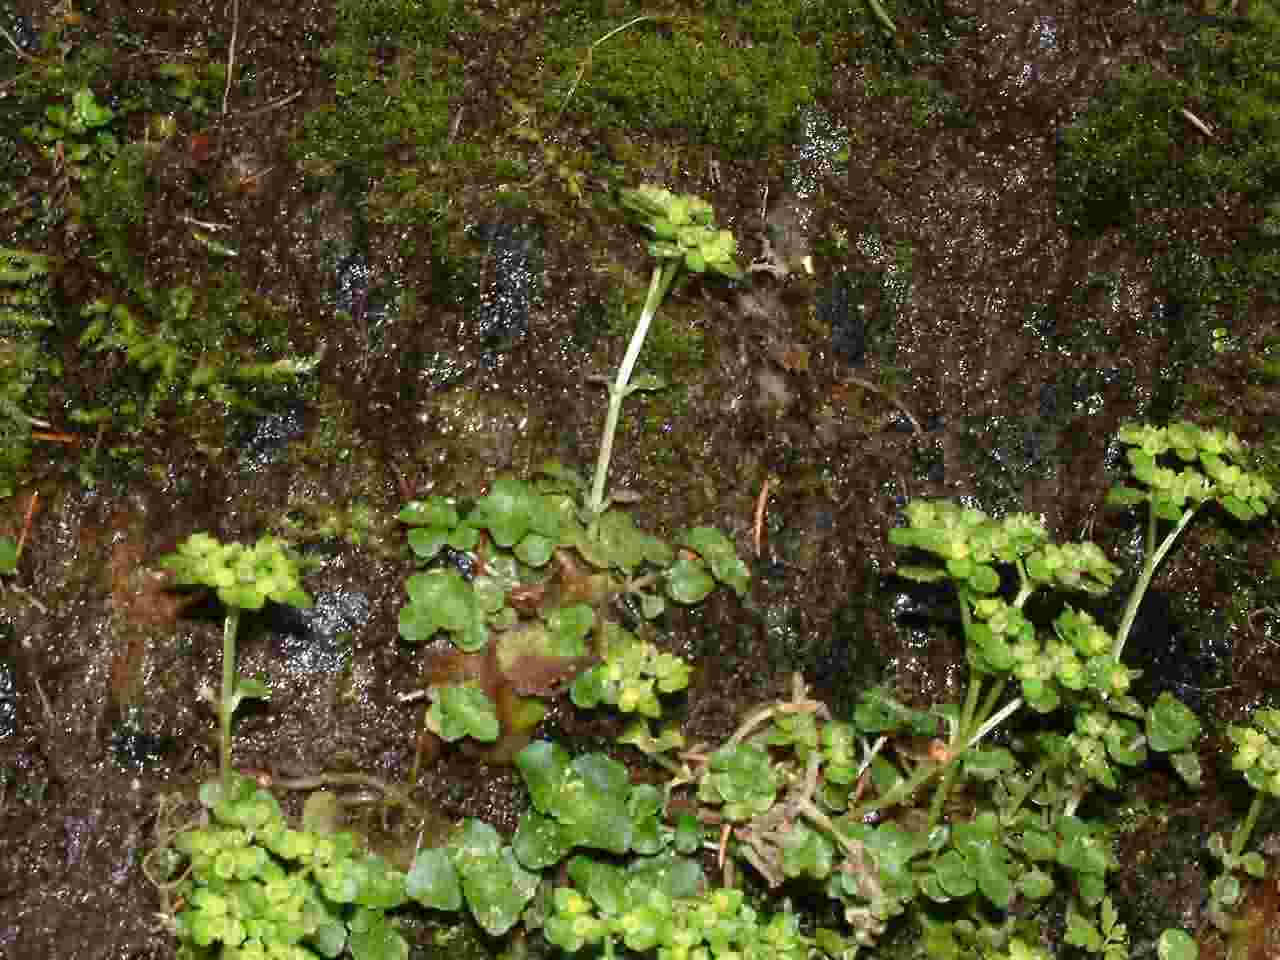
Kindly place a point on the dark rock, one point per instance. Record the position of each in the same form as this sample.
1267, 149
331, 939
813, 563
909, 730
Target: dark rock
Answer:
836, 308
318, 640
1048, 399
514, 256
264, 439
460, 560
23, 33
351, 281
133, 748
1170, 659
8, 701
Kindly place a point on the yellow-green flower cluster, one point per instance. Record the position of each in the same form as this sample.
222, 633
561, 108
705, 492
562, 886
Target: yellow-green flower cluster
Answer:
244, 577
1257, 753
684, 230
1205, 466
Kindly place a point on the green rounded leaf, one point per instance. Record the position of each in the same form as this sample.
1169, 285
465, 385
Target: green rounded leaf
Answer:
433, 512
433, 881
688, 581
718, 551
539, 841
1171, 726
462, 710
1177, 945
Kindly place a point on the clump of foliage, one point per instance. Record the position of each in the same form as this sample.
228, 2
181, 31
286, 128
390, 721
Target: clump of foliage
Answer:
244, 579
79, 132
192, 339
537, 580
173, 345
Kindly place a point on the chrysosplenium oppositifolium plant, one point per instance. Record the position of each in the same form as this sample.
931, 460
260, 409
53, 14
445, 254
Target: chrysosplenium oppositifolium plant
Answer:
526, 575
894, 823
244, 578
685, 240
539, 565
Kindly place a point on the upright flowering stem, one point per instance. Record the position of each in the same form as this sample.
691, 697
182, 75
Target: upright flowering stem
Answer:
685, 238
226, 704
663, 276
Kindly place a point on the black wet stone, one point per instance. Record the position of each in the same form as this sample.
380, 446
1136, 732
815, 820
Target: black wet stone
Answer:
318, 640
351, 285
133, 748
22, 32
1172, 659
263, 440
8, 701
1048, 399
513, 274
460, 560
836, 309
916, 604
137, 750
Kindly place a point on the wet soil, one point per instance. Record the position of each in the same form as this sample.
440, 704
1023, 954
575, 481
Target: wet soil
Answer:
1004, 349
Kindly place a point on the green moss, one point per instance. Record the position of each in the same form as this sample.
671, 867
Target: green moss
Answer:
675, 344
928, 100
687, 74
1135, 147
114, 203
392, 86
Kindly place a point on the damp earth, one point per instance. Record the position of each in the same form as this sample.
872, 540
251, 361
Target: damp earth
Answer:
381, 258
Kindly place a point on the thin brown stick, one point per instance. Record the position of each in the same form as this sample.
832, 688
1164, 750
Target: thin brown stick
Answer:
26, 595
270, 105
55, 436
231, 53
761, 502
26, 522
868, 385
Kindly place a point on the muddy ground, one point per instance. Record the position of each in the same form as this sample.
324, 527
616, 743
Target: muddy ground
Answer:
957, 336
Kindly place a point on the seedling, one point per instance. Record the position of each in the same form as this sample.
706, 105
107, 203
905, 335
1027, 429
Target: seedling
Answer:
538, 584
685, 239
244, 578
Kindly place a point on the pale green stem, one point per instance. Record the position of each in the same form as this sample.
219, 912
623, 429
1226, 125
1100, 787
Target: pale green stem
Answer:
940, 793
1241, 835
1148, 571
658, 286
229, 627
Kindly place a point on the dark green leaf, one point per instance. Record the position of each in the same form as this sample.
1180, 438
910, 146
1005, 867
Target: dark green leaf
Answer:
539, 841
688, 581
1171, 726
